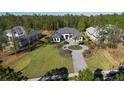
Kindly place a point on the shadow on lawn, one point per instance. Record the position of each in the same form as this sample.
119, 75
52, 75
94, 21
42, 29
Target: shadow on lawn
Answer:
60, 74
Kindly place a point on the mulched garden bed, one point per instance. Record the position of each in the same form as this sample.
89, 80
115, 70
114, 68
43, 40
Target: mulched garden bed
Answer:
65, 53
75, 47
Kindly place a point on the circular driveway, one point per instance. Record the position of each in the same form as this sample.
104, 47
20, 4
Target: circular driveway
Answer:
77, 57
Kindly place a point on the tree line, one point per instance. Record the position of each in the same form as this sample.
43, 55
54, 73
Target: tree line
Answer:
52, 22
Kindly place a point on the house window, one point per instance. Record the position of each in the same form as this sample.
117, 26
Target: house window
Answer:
70, 36
56, 39
14, 32
66, 36
53, 39
81, 38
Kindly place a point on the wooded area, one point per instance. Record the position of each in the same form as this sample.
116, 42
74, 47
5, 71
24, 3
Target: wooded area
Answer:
52, 22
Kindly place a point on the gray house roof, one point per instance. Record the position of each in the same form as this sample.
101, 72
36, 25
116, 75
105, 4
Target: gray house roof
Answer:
93, 31
65, 30
17, 29
55, 35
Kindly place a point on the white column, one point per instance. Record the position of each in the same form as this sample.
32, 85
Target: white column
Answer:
81, 38
64, 36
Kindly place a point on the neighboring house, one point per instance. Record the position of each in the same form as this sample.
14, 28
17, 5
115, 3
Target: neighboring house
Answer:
92, 33
66, 33
17, 32
34, 36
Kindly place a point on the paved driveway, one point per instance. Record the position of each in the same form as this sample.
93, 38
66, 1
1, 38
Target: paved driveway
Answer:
77, 56
78, 61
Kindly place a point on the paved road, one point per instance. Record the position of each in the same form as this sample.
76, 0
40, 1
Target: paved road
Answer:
78, 61
34, 79
70, 75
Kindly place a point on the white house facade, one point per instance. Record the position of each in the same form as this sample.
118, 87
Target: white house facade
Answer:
66, 34
17, 32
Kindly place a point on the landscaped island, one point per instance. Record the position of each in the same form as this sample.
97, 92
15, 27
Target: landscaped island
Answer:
75, 47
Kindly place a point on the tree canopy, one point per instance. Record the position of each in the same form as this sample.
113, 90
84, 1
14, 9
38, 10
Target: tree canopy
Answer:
10, 75
50, 22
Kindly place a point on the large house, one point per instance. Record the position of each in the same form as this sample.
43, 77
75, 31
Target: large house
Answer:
66, 33
17, 32
92, 33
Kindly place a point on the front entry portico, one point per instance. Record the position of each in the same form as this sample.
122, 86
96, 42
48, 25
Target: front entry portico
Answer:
67, 36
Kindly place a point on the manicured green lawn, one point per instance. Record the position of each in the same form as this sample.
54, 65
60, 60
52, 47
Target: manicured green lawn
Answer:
41, 60
98, 60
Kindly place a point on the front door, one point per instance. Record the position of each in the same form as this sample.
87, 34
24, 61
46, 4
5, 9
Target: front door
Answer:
66, 36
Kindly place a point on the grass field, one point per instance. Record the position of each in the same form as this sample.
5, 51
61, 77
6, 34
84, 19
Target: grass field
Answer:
41, 60
98, 60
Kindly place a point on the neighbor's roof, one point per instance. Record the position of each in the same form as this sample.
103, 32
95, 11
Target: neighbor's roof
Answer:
65, 30
92, 31
18, 29
15, 29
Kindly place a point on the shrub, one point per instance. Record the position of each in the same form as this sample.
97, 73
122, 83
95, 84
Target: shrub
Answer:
85, 75
102, 45
58, 45
91, 45
81, 43
98, 74
65, 42
114, 45
1, 61
45, 40
87, 53
8, 74
65, 53
75, 47
119, 77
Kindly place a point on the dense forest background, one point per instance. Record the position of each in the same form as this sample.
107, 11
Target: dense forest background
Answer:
52, 23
